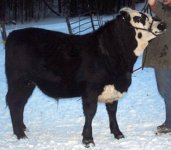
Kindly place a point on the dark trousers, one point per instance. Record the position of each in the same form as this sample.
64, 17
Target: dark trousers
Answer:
163, 78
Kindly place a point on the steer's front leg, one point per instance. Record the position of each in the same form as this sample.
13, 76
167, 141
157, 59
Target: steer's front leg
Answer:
112, 109
89, 108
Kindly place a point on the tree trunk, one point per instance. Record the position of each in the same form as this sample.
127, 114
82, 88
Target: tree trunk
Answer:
3, 32
2, 20
133, 4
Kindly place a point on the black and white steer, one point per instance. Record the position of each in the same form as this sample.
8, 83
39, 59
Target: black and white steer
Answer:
96, 66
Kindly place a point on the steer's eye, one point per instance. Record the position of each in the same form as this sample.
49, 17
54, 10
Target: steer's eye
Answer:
137, 19
140, 19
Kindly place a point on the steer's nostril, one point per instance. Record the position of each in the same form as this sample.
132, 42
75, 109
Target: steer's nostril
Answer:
162, 26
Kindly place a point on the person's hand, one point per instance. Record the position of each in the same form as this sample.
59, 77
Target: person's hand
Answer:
167, 2
151, 2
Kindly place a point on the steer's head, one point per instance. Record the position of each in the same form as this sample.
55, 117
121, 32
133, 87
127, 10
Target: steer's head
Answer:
146, 27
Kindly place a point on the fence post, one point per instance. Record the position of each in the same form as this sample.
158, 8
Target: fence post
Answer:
68, 25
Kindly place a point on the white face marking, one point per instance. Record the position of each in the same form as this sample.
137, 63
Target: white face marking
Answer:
142, 43
142, 22
109, 94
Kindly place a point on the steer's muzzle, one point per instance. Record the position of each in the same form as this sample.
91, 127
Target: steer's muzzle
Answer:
162, 26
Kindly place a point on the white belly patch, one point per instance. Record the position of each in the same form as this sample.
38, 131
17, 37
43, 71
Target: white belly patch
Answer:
109, 94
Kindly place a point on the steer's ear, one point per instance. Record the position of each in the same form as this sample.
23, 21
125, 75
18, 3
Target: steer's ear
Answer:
125, 15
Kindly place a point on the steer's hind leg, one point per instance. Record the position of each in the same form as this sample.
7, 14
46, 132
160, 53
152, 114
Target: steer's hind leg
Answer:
89, 108
16, 99
112, 109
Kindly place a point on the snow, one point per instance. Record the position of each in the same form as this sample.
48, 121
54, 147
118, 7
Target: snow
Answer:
58, 125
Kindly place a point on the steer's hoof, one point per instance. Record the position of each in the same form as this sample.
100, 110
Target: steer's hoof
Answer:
120, 136
88, 143
21, 136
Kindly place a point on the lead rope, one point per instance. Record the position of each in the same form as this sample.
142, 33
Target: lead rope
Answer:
145, 9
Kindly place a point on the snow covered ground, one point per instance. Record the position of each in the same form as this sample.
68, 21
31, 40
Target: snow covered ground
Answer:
58, 126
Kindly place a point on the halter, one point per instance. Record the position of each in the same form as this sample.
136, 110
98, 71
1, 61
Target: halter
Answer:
147, 9
148, 30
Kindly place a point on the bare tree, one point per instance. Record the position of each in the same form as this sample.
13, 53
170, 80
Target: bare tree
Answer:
2, 20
